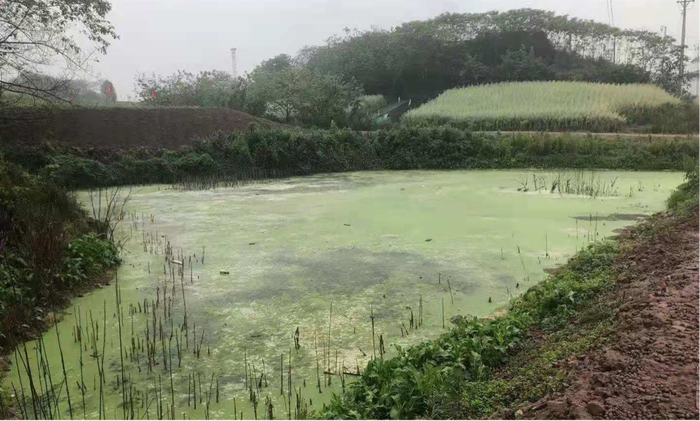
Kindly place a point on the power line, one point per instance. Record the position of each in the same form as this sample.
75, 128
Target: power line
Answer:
684, 6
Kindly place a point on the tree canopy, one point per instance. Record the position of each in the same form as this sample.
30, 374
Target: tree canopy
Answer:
35, 33
420, 59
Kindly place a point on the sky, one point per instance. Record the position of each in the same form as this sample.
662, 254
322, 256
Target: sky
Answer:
163, 36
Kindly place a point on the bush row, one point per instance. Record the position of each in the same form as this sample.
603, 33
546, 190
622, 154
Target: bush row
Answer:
667, 118
265, 153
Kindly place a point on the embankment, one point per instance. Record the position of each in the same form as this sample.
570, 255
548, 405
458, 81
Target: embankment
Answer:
117, 127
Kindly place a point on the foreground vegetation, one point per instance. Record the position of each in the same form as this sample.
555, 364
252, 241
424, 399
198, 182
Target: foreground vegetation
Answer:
49, 250
558, 106
278, 153
433, 378
482, 367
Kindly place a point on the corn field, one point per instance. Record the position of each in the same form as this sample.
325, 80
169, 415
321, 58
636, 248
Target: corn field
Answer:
540, 106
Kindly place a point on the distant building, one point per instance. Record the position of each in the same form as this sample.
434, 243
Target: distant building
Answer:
694, 82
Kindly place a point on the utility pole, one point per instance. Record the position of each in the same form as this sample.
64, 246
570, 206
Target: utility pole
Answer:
684, 5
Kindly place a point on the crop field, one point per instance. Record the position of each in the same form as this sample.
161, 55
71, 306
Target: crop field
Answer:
540, 106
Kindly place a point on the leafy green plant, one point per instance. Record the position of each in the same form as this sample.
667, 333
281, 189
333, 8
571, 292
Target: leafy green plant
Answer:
46, 250
685, 198
87, 257
423, 380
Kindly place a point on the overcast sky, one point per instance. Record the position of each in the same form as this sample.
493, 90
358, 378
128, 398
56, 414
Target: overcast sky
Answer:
163, 36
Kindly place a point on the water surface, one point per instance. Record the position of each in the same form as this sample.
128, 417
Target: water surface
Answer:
434, 244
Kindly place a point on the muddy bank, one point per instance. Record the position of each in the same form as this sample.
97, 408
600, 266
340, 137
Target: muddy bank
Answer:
649, 367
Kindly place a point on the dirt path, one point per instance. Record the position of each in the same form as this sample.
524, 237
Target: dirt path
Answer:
628, 136
650, 370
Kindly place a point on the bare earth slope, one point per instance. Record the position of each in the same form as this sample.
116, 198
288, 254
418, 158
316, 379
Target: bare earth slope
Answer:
649, 369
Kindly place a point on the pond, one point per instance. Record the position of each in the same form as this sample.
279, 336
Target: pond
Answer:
234, 292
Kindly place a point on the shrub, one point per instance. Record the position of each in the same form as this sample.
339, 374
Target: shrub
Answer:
45, 248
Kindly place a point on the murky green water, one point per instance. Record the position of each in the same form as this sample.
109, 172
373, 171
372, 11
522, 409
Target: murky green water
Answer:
385, 240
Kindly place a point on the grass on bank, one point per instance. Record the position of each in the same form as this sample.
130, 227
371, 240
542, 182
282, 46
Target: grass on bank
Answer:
558, 106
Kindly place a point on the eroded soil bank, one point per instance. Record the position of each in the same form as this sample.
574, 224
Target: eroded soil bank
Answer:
648, 367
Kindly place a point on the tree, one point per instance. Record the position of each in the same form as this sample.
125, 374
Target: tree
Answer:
110, 95
298, 94
667, 74
280, 91
522, 65
276, 64
208, 89
421, 59
34, 33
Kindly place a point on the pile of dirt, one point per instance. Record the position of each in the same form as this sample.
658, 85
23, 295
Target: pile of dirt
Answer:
649, 370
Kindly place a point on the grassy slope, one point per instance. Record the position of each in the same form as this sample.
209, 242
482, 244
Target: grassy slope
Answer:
483, 368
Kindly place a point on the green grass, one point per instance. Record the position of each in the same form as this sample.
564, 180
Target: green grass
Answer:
541, 106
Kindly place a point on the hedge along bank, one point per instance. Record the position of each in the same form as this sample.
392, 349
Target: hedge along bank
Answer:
277, 153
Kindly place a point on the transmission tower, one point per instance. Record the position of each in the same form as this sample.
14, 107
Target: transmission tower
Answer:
234, 67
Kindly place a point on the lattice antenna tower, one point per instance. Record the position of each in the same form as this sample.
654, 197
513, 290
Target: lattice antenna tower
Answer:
234, 66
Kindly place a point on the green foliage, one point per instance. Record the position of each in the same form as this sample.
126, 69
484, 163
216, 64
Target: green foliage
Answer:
536, 371
264, 153
46, 249
665, 118
86, 257
424, 380
685, 199
298, 95
208, 89
522, 65
421, 59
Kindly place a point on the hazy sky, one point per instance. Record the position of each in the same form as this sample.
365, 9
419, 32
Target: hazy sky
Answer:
163, 36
